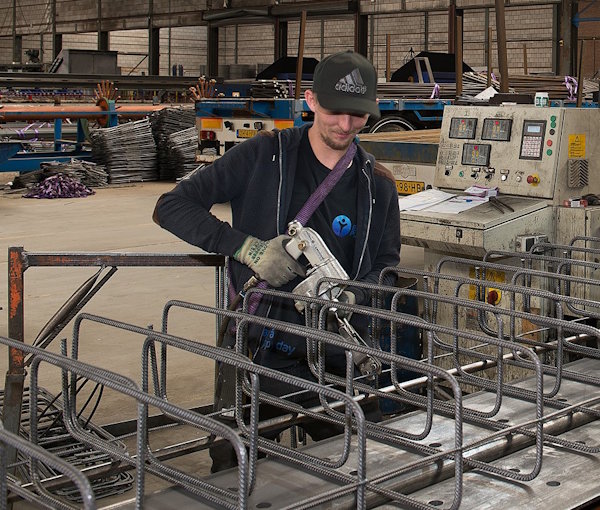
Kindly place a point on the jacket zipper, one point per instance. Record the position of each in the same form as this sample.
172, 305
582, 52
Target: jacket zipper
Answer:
362, 254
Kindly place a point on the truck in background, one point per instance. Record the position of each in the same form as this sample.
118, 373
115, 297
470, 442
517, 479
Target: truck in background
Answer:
224, 122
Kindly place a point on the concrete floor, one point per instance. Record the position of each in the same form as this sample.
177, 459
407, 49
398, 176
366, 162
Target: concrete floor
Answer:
116, 219
113, 220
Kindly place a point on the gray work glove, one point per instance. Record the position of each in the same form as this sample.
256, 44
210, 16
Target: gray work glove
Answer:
349, 298
269, 260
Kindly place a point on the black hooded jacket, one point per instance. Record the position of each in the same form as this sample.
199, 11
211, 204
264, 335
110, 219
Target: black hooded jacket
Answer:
256, 177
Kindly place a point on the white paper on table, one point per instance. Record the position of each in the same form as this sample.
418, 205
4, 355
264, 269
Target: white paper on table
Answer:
423, 199
457, 205
481, 191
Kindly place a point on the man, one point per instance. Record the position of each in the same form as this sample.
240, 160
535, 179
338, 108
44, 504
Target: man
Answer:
267, 180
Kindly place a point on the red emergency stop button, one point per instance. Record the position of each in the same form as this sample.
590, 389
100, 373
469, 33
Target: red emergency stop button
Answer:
549, 143
493, 297
533, 179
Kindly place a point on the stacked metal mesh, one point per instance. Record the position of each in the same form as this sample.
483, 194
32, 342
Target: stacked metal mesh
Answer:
165, 123
128, 152
181, 152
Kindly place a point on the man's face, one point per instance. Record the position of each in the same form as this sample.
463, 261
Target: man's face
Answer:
336, 129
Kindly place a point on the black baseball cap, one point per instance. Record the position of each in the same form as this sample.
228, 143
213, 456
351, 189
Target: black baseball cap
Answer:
347, 82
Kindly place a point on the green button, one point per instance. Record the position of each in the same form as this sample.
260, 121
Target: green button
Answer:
553, 124
461, 173
553, 118
549, 152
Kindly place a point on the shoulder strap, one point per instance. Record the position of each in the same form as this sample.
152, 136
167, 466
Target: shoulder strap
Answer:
319, 194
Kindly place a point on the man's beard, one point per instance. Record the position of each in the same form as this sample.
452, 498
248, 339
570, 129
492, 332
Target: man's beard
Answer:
338, 146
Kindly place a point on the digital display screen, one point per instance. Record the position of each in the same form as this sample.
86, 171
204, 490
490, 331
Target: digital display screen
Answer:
532, 140
476, 154
462, 127
496, 129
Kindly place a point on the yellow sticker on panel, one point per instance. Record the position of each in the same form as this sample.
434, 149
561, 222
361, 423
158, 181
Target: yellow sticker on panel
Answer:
577, 146
491, 275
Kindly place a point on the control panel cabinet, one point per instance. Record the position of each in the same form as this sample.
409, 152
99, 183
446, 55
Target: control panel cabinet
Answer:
534, 152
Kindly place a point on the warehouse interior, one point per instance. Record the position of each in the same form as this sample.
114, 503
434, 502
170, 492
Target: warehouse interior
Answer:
481, 347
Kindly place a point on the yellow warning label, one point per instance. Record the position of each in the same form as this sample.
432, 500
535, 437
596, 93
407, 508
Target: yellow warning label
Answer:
577, 146
491, 275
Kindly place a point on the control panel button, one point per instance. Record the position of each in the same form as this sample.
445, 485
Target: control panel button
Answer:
493, 297
553, 118
549, 143
553, 124
552, 131
533, 179
549, 152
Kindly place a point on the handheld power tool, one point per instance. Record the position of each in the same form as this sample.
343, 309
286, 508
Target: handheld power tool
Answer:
306, 241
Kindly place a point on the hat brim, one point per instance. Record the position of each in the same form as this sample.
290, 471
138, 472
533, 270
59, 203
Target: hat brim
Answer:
356, 105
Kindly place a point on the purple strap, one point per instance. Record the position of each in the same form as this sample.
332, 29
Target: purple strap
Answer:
326, 186
571, 84
255, 297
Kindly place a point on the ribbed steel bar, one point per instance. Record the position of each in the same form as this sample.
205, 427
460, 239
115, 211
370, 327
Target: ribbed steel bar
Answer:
127, 387
443, 440
38, 454
326, 468
19, 260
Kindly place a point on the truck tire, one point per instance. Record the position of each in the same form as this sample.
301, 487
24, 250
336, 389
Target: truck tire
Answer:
391, 124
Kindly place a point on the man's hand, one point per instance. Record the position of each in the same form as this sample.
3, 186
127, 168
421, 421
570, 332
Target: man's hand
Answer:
269, 260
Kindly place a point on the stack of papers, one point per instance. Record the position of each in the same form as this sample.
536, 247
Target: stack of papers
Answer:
423, 199
481, 191
435, 200
457, 204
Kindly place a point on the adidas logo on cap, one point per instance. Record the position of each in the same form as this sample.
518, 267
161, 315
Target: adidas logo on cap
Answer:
352, 83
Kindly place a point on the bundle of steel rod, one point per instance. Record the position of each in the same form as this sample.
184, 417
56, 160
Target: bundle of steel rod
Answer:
88, 173
180, 154
391, 90
270, 89
426, 90
504, 400
284, 87
558, 87
127, 151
